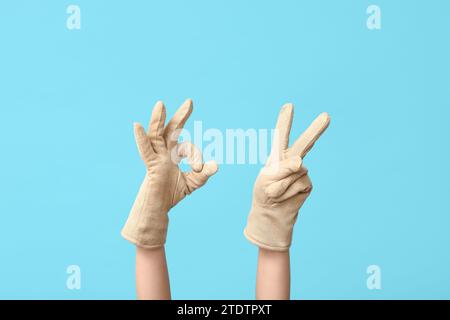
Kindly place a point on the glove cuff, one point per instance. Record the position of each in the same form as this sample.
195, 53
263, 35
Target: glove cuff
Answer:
266, 230
147, 223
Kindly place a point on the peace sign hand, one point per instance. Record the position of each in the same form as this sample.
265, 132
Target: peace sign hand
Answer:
283, 184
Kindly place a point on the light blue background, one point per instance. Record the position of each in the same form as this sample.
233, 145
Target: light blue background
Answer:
70, 170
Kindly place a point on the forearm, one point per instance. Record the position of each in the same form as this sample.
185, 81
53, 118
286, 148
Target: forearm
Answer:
152, 277
273, 276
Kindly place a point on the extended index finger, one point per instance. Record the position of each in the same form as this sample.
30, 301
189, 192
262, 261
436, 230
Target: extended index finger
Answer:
283, 128
156, 126
173, 128
306, 141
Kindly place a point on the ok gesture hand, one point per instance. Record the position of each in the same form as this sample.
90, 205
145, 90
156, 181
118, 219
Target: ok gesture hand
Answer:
164, 183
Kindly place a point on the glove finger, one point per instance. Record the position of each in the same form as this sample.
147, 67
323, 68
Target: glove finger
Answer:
194, 156
277, 188
156, 127
176, 124
195, 180
142, 141
302, 186
305, 142
282, 169
283, 128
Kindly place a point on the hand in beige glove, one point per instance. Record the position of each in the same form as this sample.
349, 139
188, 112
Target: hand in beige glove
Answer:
282, 185
164, 184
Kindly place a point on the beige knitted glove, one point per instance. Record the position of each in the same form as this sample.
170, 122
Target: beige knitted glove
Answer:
164, 184
282, 185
